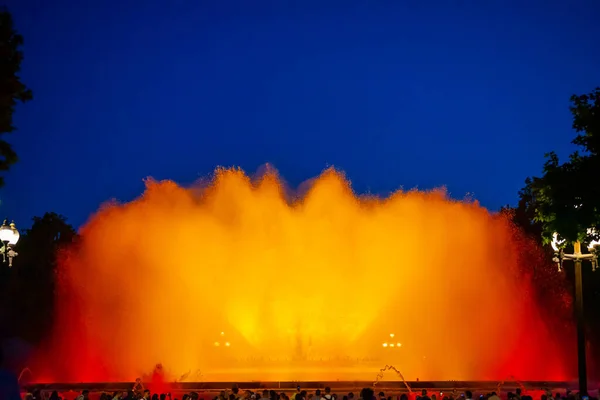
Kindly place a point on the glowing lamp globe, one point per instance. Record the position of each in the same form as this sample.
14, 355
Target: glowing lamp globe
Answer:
556, 244
6, 234
9, 233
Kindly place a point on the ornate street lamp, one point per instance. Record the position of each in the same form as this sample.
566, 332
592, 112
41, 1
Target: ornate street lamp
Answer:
578, 257
9, 235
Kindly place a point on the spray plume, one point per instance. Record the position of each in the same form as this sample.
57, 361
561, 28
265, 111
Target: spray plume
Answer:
241, 281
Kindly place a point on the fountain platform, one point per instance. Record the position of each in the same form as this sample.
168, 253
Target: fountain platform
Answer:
336, 386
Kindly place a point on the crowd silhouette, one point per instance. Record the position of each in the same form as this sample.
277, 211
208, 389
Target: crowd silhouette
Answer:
138, 392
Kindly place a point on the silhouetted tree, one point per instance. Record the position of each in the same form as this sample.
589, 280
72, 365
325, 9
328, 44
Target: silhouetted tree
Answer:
524, 214
524, 218
12, 90
566, 197
32, 278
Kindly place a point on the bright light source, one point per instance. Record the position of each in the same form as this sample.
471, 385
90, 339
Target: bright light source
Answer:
385, 345
555, 242
217, 344
399, 344
5, 232
222, 333
391, 344
592, 245
227, 344
392, 335
8, 233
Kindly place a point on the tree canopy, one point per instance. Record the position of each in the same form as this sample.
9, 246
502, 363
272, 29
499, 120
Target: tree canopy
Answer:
12, 90
28, 287
566, 198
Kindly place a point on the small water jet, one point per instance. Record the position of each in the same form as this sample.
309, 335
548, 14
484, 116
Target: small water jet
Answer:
382, 371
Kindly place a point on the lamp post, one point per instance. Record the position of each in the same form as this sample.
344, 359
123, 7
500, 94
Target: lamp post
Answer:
577, 257
9, 235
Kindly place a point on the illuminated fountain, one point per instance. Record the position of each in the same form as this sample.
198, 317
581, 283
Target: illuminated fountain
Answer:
238, 280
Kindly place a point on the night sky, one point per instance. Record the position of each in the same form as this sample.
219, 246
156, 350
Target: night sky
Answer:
467, 94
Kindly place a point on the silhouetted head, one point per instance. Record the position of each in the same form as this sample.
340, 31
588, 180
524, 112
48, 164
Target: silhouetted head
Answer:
318, 392
424, 392
327, 390
468, 394
367, 394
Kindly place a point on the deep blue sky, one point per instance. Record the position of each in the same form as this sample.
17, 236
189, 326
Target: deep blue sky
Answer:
468, 94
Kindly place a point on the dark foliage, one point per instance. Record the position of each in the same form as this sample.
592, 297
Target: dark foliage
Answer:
566, 200
12, 90
29, 286
566, 197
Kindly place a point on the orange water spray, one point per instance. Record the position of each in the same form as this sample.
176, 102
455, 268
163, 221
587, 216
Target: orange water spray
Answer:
238, 280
